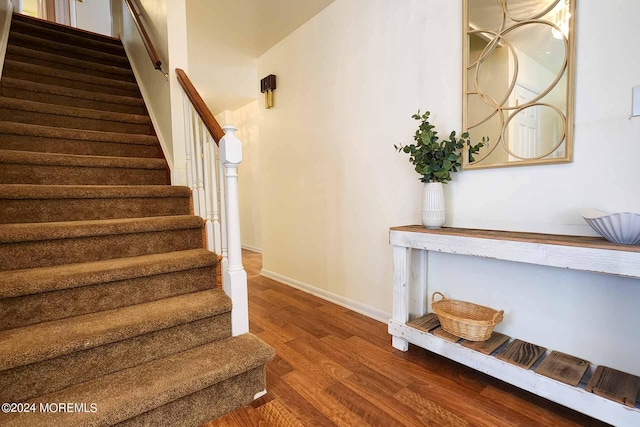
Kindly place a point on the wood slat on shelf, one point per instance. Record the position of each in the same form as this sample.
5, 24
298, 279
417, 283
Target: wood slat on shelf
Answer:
615, 385
439, 332
521, 353
489, 346
563, 367
425, 323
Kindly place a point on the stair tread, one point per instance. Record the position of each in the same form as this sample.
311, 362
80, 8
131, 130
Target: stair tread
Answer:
65, 60
28, 68
61, 110
15, 283
136, 390
65, 28
70, 92
29, 129
48, 33
38, 43
43, 341
28, 232
33, 191
79, 160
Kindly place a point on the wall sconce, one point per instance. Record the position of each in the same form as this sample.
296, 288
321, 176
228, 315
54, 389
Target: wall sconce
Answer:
267, 86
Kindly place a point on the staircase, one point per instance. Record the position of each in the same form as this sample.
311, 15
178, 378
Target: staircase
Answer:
108, 301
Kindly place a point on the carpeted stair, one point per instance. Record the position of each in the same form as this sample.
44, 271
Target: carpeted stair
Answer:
107, 296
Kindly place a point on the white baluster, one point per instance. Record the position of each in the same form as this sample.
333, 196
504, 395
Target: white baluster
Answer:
223, 219
208, 190
213, 185
194, 161
235, 278
202, 204
187, 140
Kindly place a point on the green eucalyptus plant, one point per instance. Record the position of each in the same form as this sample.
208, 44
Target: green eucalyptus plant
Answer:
435, 159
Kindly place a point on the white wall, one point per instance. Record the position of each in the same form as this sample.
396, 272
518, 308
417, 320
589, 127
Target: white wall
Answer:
249, 179
17, 5
153, 85
165, 22
177, 58
94, 15
348, 81
30, 7
6, 7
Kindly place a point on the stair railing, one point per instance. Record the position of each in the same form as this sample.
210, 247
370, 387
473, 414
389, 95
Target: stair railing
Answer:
213, 155
146, 40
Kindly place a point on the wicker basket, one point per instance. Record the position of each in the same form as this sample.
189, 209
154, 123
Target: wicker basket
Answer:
464, 319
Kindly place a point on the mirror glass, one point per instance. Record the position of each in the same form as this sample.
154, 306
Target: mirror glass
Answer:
518, 81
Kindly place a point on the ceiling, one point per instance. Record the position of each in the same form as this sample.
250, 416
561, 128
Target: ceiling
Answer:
254, 26
225, 37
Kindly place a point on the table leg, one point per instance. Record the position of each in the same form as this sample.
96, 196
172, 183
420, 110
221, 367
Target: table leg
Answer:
400, 292
418, 295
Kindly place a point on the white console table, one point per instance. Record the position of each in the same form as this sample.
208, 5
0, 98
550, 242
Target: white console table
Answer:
411, 245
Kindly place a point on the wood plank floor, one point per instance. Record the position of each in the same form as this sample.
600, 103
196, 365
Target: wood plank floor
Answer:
337, 367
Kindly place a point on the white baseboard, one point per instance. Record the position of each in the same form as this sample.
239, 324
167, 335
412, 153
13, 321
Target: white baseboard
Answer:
252, 248
259, 394
353, 305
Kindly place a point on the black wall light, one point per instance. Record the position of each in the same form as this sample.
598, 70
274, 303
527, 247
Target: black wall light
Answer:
267, 86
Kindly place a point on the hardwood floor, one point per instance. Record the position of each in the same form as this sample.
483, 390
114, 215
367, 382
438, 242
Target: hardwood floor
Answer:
337, 367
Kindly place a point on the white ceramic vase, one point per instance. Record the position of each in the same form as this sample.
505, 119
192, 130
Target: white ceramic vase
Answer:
433, 212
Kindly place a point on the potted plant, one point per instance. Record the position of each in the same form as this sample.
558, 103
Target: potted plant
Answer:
435, 160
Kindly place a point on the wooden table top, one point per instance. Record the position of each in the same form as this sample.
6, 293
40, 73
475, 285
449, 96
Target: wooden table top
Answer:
547, 239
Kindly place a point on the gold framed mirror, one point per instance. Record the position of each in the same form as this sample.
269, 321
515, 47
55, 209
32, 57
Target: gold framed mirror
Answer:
518, 78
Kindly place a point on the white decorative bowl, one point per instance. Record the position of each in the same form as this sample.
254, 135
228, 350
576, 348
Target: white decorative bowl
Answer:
623, 227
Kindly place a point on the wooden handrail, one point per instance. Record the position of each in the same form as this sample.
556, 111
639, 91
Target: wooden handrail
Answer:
201, 108
146, 40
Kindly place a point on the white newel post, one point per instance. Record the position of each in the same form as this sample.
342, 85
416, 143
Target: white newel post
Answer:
234, 280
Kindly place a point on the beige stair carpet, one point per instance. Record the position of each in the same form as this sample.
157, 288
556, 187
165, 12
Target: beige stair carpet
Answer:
108, 299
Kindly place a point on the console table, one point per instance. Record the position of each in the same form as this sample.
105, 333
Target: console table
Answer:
411, 245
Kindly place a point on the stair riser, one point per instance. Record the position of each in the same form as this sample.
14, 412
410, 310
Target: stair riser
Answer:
206, 404
73, 146
46, 253
44, 307
69, 64
66, 38
16, 39
69, 122
70, 83
28, 381
73, 175
52, 210
71, 101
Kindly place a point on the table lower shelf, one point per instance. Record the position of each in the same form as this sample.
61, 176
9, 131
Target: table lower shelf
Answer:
574, 397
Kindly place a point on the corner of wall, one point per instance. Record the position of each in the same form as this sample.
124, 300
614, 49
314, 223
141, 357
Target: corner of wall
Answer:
6, 9
165, 142
353, 305
162, 97
178, 58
